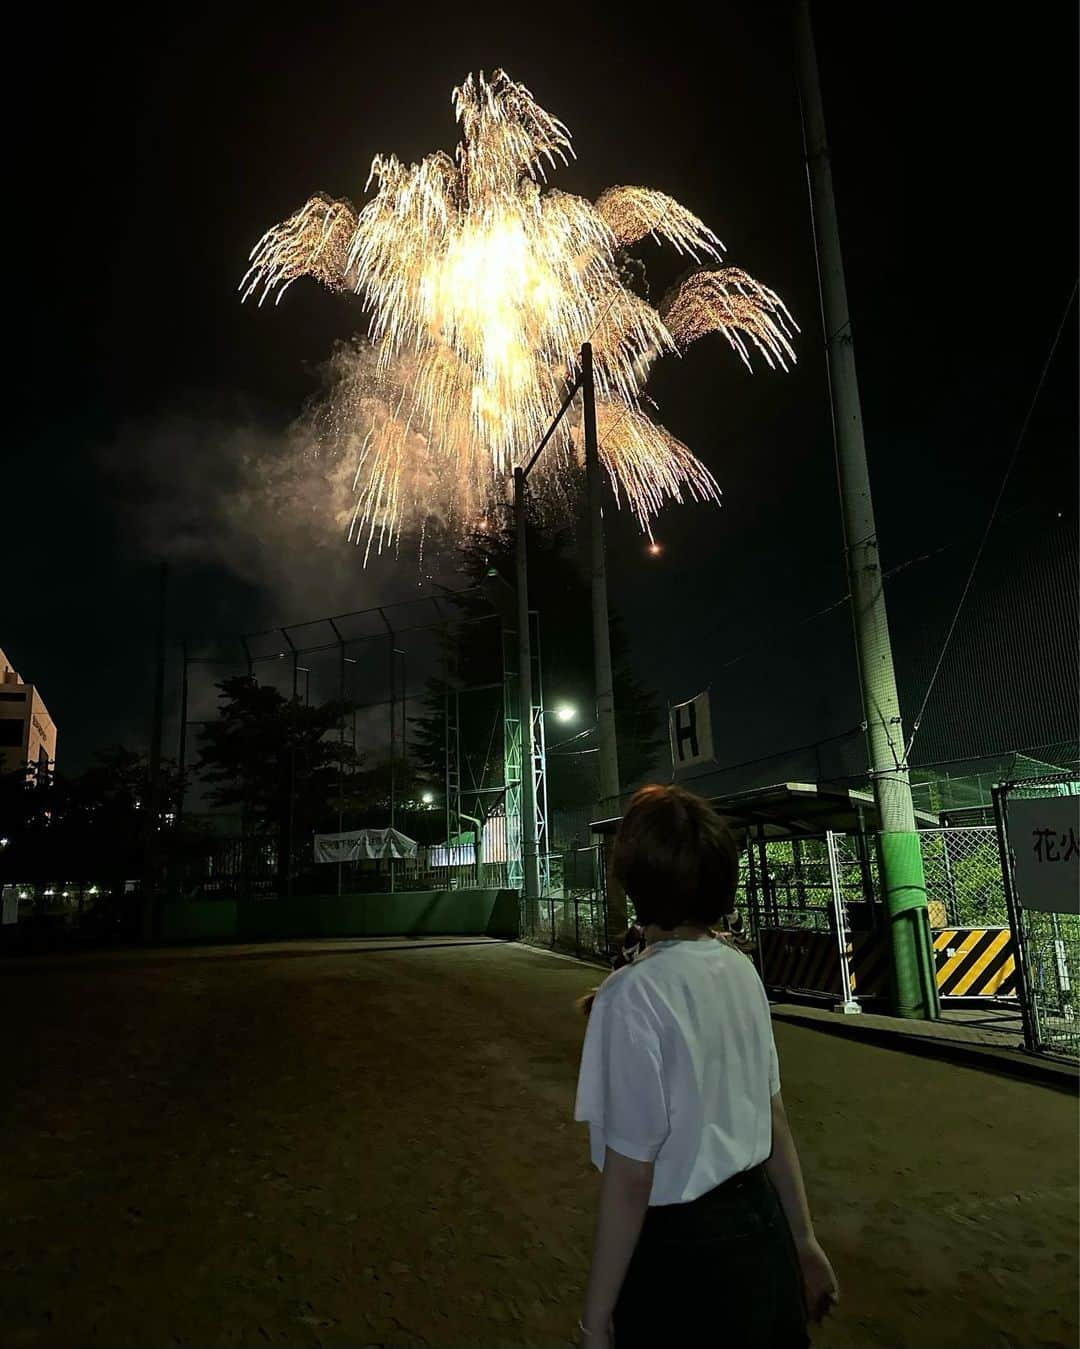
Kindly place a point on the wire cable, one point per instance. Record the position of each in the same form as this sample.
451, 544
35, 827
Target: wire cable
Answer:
990, 523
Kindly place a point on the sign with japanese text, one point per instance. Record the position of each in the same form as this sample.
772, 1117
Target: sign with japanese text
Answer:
1044, 838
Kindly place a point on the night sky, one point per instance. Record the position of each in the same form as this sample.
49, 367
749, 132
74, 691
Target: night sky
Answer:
152, 405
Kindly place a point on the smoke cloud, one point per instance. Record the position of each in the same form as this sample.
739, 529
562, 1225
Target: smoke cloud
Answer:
212, 489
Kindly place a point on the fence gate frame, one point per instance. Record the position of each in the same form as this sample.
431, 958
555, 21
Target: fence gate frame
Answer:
847, 1004
1032, 1015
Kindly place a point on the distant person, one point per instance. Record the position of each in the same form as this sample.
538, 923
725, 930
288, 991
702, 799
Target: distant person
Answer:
631, 946
680, 1086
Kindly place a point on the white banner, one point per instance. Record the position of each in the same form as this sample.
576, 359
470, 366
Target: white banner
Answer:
690, 727
363, 844
1044, 838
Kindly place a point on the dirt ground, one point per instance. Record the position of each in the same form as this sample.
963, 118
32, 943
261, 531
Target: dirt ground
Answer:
377, 1148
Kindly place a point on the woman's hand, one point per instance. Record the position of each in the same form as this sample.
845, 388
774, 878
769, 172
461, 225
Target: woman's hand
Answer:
820, 1287
595, 1338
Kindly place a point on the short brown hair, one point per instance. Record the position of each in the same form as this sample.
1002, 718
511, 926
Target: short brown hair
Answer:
675, 858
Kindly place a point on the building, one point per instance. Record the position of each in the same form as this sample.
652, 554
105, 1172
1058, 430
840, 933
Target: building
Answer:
27, 732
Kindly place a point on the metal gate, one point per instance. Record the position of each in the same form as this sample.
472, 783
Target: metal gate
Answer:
795, 887
572, 914
1047, 941
804, 897
974, 947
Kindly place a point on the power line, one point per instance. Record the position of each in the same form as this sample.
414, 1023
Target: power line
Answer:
777, 634
993, 516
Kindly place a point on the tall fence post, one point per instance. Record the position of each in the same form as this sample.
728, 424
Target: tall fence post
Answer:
847, 1003
577, 907
1000, 796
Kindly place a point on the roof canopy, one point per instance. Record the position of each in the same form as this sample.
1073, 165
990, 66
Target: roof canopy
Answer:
794, 809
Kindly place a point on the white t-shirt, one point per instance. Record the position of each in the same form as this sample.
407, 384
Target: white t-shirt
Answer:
679, 1067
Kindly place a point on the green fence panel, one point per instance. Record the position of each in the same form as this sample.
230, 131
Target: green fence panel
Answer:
427, 913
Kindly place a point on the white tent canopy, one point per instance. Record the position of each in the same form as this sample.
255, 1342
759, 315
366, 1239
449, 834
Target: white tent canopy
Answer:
361, 844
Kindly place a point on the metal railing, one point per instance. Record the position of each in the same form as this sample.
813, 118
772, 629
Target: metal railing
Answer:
788, 883
572, 915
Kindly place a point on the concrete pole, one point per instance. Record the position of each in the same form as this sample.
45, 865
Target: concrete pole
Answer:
153, 819
341, 742
608, 754
607, 744
901, 858
529, 860
181, 749
393, 766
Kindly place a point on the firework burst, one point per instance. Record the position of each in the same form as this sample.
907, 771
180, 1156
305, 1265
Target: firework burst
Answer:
480, 285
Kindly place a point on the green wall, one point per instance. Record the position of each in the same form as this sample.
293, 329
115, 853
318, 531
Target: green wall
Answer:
198, 920
428, 913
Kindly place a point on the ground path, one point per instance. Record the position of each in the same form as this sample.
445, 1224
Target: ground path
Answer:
375, 1147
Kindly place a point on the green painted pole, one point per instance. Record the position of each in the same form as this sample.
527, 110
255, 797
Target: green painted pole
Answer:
915, 983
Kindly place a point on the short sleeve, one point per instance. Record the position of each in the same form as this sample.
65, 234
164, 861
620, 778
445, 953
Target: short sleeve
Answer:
774, 1065
621, 1084
774, 1061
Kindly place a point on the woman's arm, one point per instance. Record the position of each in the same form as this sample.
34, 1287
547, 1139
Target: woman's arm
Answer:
785, 1173
625, 1187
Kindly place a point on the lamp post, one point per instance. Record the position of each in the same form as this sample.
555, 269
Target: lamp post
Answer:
608, 775
530, 862
608, 771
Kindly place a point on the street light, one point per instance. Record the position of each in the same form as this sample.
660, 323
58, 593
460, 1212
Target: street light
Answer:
428, 798
565, 712
608, 768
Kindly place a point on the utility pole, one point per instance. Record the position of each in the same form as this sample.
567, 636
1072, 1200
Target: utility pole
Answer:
152, 820
608, 772
607, 777
181, 749
901, 858
529, 860
608, 754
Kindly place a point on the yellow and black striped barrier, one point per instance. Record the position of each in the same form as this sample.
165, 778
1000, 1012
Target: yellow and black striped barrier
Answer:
809, 962
975, 962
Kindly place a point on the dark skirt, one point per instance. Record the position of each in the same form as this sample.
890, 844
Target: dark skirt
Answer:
719, 1270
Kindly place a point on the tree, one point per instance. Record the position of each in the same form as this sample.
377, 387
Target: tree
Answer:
282, 762
88, 831
558, 591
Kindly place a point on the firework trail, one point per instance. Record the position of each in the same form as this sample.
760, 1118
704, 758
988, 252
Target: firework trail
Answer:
481, 284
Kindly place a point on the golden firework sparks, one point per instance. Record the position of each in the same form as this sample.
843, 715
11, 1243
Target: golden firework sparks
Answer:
481, 285
733, 303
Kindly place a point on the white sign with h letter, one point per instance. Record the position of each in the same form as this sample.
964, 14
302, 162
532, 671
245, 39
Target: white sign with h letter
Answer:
690, 726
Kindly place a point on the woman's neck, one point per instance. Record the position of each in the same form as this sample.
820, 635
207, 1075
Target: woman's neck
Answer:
683, 932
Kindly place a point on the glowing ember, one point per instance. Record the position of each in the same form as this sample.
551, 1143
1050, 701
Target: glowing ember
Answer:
480, 289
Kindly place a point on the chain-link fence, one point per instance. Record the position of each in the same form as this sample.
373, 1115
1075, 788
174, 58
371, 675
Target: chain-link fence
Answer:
963, 878
1052, 947
238, 868
817, 924
572, 915
787, 888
